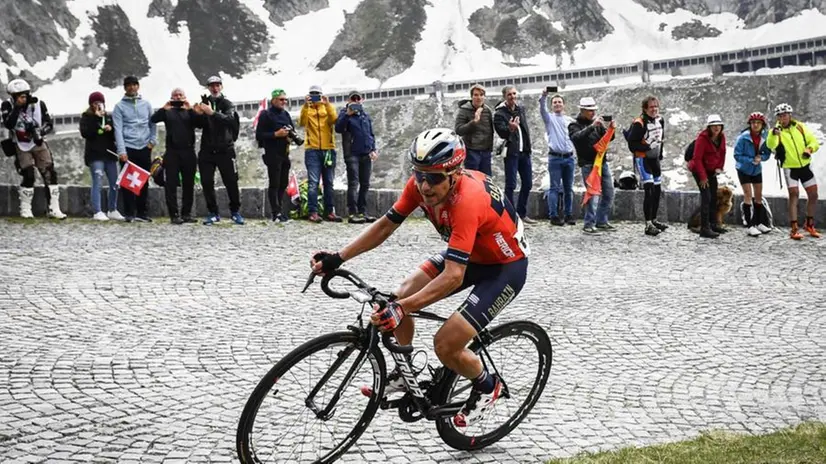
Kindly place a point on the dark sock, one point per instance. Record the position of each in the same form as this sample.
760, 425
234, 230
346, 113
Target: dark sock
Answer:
648, 200
655, 203
485, 382
810, 221
749, 214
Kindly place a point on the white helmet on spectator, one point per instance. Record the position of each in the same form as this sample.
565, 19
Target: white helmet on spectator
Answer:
782, 108
18, 86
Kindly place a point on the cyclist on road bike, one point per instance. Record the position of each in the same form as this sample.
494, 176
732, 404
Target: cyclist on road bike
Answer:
486, 250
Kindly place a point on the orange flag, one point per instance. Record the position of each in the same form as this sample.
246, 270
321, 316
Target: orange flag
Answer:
593, 184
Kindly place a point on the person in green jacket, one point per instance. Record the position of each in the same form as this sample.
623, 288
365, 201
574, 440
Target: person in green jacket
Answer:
799, 144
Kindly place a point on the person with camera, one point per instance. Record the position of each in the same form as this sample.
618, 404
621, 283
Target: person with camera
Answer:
318, 117
220, 123
585, 132
359, 147
511, 125
99, 154
645, 140
274, 132
135, 137
798, 146
28, 121
560, 157
474, 123
179, 160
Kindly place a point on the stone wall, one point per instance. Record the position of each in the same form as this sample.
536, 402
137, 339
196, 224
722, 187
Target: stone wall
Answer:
676, 206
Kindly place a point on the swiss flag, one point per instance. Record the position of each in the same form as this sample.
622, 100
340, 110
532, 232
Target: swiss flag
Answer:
292, 188
261, 108
133, 177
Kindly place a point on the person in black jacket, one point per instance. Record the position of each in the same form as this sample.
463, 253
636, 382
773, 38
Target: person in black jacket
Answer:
180, 121
100, 155
217, 117
511, 125
359, 147
585, 132
273, 132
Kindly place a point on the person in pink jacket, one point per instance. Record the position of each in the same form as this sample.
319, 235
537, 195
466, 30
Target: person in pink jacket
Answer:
708, 161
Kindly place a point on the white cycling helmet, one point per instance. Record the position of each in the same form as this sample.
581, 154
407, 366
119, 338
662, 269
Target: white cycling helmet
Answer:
18, 86
782, 108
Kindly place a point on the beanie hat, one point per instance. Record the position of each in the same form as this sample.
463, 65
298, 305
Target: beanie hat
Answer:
96, 97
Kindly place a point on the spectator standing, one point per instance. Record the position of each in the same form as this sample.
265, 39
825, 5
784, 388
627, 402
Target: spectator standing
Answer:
750, 151
708, 161
318, 117
474, 123
512, 126
585, 132
99, 154
645, 140
560, 158
799, 144
359, 147
216, 114
273, 132
135, 136
179, 160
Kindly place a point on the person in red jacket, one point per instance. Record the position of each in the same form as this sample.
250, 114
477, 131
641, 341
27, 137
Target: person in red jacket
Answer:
708, 161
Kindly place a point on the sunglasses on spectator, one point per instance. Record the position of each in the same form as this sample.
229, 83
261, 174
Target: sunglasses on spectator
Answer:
432, 178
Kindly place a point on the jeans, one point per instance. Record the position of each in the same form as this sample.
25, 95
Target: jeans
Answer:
708, 200
518, 164
138, 205
359, 168
562, 181
224, 160
278, 172
478, 160
181, 162
314, 161
599, 207
98, 168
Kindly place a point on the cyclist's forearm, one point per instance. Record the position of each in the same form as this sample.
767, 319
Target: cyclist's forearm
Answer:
370, 238
440, 287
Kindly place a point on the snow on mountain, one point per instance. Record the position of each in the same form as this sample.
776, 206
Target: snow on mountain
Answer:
290, 51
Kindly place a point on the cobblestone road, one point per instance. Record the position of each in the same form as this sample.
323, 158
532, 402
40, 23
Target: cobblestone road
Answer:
141, 343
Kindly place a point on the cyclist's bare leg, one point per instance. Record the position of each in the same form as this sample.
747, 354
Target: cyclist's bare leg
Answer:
412, 284
450, 342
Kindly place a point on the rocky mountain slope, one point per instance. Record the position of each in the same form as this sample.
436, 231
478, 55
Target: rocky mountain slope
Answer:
685, 105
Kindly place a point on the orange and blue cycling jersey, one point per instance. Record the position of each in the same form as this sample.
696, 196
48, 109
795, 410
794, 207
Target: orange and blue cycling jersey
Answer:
479, 224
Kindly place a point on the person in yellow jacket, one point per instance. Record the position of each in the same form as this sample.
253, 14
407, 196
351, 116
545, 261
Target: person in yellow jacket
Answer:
798, 144
318, 118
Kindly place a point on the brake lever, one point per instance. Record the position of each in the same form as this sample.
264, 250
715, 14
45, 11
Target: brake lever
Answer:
309, 282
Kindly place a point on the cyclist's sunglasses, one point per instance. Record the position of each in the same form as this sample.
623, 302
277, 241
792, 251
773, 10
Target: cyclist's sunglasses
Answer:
432, 178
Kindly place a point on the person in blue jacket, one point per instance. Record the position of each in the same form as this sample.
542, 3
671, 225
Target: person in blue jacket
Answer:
750, 151
359, 146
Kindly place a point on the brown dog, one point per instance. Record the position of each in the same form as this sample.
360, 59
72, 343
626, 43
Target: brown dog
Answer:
724, 205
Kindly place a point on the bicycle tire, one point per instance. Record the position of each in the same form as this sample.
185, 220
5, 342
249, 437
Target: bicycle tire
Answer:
455, 438
244, 438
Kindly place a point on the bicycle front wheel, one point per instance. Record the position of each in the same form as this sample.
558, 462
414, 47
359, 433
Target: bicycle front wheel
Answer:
284, 420
521, 352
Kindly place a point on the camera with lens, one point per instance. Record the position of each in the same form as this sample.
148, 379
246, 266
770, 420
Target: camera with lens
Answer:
293, 136
33, 130
31, 100
205, 99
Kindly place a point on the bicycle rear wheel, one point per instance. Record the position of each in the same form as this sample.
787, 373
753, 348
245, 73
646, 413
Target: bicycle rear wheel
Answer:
513, 348
278, 423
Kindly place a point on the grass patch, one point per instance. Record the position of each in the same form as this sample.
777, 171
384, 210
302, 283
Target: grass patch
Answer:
802, 444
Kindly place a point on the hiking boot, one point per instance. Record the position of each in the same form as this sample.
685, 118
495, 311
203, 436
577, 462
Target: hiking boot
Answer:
369, 219
176, 220
314, 217
332, 218
143, 219
606, 227
476, 405
570, 220
753, 232
659, 225
708, 233
652, 230
528, 220
810, 228
718, 228
356, 219
212, 219
282, 219
557, 221
238, 219
189, 220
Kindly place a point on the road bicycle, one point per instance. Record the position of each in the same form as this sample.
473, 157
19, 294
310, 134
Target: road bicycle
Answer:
310, 406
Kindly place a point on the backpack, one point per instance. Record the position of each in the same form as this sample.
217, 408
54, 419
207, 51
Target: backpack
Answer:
302, 211
236, 126
627, 133
689, 151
